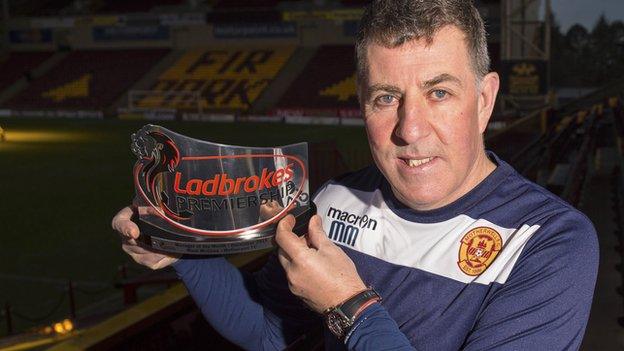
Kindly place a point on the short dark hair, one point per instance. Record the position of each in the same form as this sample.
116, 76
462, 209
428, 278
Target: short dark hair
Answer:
391, 23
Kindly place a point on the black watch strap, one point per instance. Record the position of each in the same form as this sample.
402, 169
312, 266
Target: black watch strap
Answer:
352, 305
340, 319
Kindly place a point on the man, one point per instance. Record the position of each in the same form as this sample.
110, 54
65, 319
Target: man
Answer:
464, 252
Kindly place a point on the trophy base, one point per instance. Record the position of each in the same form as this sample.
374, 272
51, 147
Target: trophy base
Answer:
160, 239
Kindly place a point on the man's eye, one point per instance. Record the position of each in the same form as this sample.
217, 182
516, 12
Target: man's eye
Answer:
439, 94
385, 100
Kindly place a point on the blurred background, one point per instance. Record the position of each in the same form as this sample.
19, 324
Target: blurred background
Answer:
78, 77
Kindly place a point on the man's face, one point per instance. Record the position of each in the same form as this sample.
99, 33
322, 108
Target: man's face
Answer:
425, 117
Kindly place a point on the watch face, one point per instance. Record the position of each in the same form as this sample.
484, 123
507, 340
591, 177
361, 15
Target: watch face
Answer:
336, 324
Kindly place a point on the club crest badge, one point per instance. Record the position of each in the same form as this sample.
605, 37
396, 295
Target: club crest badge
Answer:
479, 247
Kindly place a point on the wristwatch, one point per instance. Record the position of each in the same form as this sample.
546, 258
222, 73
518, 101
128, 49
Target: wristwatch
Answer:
339, 319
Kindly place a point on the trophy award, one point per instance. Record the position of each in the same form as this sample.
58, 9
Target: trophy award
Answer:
198, 197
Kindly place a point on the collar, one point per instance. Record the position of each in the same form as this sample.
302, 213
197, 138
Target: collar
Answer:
457, 207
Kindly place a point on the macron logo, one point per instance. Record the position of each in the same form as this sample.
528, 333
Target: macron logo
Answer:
345, 227
363, 222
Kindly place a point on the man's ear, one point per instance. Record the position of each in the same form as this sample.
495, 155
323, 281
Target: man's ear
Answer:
487, 99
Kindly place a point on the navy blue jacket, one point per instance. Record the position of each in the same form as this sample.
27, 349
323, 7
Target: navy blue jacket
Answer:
508, 266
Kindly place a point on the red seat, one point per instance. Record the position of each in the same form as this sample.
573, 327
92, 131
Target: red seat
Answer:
125, 6
17, 64
326, 85
90, 79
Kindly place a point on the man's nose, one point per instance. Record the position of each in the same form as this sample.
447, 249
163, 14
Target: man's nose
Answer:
413, 121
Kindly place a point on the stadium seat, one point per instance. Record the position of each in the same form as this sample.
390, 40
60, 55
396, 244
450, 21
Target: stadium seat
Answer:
38, 7
19, 64
245, 3
326, 85
221, 79
124, 6
90, 79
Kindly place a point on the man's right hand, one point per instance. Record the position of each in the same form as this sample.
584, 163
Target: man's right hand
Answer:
129, 231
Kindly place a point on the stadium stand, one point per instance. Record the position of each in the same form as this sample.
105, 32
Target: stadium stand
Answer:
354, 2
37, 7
89, 79
326, 86
249, 15
19, 64
617, 196
124, 6
245, 3
226, 79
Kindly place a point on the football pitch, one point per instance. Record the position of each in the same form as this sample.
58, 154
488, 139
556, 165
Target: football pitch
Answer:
61, 181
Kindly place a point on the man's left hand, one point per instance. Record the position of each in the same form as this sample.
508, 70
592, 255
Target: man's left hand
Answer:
318, 271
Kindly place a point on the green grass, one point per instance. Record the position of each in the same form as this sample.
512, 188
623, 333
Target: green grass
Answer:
61, 182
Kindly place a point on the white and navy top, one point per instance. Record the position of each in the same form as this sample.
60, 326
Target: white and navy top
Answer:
508, 266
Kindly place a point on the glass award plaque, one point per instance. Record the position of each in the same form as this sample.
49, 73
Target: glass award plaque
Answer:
199, 197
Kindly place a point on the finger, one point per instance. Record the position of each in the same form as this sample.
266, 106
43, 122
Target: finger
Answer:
122, 223
149, 258
286, 239
137, 258
316, 236
124, 214
270, 209
128, 241
150, 261
143, 256
147, 210
129, 248
283, 258
164, 262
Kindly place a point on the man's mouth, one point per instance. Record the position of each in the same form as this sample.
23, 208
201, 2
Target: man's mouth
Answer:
415, 162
